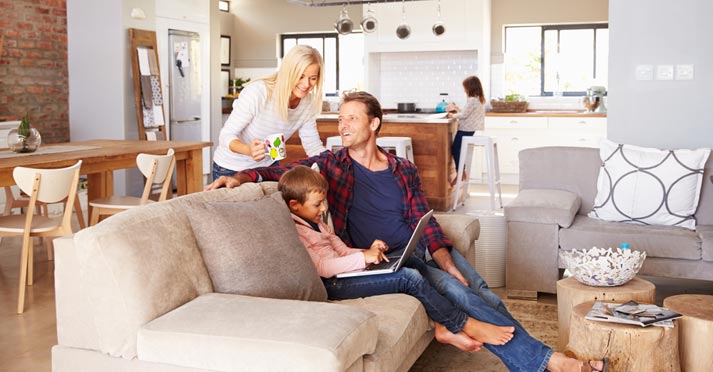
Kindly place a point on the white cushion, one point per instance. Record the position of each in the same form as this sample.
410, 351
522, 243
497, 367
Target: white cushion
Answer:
649, 186
224, 332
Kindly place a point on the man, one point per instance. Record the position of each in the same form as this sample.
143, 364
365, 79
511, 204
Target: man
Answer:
375, 195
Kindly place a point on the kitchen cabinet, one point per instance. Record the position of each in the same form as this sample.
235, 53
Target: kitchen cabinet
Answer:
518, 132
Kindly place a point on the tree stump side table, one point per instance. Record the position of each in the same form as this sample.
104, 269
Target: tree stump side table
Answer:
695, 330
628, 347
570, 293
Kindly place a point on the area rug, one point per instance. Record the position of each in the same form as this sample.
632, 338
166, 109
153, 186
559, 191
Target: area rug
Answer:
540, 320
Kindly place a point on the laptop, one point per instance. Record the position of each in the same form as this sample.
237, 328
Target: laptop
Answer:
397, 261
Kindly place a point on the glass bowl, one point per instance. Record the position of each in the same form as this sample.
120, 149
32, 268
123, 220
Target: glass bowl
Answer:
601, 267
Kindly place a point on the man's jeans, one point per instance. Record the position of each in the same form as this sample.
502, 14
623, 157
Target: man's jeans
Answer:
407, 280
523, 352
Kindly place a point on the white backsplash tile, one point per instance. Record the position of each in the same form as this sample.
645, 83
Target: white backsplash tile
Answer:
421, 76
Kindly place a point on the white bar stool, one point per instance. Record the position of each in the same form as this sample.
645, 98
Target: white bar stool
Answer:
334, 143
401, 145
490, 146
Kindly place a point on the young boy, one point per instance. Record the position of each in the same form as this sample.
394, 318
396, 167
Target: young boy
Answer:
304, 191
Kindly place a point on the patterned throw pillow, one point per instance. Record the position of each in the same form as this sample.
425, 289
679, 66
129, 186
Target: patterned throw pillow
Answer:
252, 248
649, 186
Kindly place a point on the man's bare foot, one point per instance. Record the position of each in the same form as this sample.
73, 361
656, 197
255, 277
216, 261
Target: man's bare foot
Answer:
459, 340
488, 333
560, 363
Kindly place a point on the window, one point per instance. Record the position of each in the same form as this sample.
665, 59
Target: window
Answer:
555, 59
342, 55
224, 6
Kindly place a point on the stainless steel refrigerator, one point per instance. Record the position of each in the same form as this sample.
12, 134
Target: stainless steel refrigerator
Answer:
184, 86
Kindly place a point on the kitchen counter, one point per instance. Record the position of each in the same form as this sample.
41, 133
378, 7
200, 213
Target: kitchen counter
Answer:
550, 113
414, 118
431, 139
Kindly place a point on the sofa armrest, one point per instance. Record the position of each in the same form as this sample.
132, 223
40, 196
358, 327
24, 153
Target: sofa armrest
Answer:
461, 229
544, 206
225, 332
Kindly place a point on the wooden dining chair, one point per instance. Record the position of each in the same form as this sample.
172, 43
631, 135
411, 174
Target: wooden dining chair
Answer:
156, 169
23, 200
46, 186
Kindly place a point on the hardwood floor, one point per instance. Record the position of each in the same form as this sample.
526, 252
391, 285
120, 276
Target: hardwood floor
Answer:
26, 339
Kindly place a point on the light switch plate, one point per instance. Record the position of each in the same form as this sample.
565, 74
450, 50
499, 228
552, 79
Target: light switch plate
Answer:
664, 72
644, 72
684, 72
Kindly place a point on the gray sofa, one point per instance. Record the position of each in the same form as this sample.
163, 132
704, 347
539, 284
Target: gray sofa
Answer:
557, 190
133, 293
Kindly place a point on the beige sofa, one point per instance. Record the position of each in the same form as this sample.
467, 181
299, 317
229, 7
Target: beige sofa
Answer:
133, 294
558, 186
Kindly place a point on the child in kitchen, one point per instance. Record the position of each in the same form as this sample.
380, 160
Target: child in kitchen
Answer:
471, 118
304, 190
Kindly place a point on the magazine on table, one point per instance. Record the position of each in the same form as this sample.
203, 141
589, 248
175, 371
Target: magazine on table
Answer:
632, 313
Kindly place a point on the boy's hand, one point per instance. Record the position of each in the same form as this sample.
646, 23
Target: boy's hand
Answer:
375, 254
380, 245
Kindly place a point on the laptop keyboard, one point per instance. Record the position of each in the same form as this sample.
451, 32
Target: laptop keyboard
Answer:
383, 264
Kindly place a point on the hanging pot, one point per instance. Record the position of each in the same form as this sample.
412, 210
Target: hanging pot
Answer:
369, 22
404, 30
439, 28
344, 24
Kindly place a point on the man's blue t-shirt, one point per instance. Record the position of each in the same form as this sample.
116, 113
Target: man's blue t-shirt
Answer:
377, 210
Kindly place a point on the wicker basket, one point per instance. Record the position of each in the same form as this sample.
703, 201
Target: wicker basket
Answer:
509, 106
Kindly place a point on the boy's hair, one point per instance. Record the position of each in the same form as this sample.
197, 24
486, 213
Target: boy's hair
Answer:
373, 107
298, 182
474, 88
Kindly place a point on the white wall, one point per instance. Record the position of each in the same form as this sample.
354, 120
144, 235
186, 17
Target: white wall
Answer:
655, 113
101, 103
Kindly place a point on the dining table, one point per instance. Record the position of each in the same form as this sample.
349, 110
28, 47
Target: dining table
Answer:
101, 157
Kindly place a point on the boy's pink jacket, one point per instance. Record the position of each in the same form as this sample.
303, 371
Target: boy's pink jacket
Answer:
329, 254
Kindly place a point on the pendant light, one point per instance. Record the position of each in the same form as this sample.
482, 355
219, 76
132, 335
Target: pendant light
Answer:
403, 31
369, 22
344, 24
439, 28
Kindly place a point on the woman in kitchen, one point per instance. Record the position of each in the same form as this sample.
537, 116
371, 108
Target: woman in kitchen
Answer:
471, 118
285, 102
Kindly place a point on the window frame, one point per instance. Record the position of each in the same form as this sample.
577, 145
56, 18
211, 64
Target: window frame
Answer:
558, 28
307, 35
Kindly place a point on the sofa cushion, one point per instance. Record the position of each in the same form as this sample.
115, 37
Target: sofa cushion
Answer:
657, 241
242, 333
543, 206
705, 233
402, 323
252, 248
649, 186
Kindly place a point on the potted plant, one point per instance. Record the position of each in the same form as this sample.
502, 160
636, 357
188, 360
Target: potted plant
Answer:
24, 138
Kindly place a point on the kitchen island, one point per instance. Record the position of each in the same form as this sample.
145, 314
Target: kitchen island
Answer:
431, 138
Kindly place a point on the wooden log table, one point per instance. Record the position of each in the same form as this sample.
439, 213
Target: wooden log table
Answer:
571, 292
695, 330
628, 347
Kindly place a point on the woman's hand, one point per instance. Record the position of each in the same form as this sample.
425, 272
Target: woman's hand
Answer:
452, 107
257, 150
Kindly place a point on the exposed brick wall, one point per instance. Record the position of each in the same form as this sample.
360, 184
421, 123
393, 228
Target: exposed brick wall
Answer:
33, 65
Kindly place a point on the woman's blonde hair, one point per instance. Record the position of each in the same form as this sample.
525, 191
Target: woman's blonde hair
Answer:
280, 84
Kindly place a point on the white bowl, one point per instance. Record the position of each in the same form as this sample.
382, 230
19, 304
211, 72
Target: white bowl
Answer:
600, 267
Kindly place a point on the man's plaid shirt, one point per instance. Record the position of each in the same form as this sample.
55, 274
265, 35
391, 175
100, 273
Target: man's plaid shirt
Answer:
338, 170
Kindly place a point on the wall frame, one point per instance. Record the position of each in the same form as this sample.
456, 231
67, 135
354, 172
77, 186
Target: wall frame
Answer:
224, 50
225, 82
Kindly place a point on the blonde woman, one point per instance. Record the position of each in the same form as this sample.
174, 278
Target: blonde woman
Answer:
286, 102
